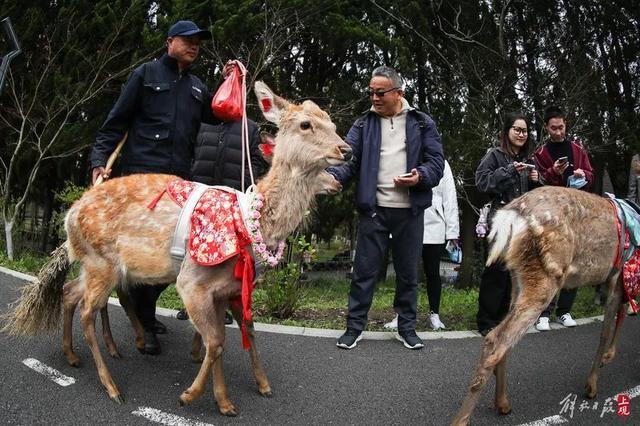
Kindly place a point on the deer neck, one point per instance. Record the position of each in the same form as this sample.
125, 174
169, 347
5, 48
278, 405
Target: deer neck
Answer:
288, 194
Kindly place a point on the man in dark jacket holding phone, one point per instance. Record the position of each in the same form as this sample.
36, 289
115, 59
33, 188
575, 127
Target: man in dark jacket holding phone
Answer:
392, 139
561, 162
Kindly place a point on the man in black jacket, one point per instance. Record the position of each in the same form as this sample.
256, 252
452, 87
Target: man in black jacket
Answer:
218, 161
161, 108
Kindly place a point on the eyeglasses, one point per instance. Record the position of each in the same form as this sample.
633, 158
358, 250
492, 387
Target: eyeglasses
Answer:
380, 93
519, 130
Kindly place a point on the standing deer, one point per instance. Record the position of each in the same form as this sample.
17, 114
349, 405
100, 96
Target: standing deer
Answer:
550, 238
117, 239
73, 291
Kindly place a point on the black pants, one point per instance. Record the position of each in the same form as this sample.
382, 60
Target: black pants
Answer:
494, 296
143, 299
565, 303
431, 262
373, 240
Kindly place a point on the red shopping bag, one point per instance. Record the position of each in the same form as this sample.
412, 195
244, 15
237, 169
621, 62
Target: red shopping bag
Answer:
227, 102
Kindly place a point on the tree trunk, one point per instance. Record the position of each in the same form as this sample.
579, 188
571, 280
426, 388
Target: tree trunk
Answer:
8, 229
46, 221
468, 236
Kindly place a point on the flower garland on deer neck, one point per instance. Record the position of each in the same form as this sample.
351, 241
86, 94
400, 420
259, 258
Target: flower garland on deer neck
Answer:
257, 241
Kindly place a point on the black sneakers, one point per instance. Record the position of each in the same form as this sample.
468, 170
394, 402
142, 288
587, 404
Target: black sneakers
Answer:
349, 339
410, 339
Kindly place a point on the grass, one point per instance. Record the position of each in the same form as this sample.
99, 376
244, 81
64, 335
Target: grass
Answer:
324, 305
324, 302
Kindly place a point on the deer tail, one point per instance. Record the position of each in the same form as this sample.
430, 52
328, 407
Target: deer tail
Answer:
505, 225
40, 304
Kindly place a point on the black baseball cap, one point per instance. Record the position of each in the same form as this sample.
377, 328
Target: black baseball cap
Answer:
188, 28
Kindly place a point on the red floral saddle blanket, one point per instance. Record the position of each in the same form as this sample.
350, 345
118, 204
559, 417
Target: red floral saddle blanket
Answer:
630, 268
217, 234
217, 228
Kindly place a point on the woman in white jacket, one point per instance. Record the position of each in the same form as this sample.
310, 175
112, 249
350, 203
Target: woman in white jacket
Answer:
441, 224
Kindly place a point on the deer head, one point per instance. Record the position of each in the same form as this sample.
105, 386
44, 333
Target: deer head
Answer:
306, 137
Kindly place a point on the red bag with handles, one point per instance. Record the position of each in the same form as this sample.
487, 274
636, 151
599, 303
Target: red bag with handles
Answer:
227, 102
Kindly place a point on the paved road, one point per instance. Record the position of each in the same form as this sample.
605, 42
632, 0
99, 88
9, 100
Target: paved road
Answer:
379, 382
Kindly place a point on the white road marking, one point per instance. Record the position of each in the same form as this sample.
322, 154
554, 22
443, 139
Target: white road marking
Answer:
158, 416
633, 392
49, 372
553, 420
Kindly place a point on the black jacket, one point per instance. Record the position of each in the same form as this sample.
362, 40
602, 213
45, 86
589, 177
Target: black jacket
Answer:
218, 155
497, 176
162, 109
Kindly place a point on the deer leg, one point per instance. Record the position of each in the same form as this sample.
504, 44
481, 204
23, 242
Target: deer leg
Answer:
610, 353
125, 302
264, 388
106, 333
525, 310
607, 337
208, 318
97, 284
72, 294
196, 348
500, 401
225, 406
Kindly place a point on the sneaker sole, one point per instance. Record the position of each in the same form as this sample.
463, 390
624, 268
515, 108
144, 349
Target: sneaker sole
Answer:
406, 345
343, 346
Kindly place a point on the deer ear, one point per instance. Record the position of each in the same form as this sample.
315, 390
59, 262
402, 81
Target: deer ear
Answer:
272, 106
267, 145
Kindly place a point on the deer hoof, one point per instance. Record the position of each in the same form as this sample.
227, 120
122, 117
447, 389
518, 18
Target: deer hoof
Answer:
185, 399
115, 354
590, 391
268, 393
228, 409
503, 408
73, 360
118, 399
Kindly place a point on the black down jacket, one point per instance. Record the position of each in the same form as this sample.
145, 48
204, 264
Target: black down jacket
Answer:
218, 155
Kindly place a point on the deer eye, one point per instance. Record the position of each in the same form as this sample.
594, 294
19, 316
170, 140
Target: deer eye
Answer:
305, 125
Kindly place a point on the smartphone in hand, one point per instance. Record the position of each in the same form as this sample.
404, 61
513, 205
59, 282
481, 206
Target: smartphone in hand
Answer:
563, 159
405, 175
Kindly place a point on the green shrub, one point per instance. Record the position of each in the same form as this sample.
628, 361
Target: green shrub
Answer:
280, 293
67, 196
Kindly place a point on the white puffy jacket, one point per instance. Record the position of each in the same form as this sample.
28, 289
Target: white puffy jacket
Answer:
441, 222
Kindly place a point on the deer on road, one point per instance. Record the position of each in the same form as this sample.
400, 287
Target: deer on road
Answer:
117, 239
550, 238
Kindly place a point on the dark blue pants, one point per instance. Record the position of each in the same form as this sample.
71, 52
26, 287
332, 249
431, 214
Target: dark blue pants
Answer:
494, 297
565, 302
406, 248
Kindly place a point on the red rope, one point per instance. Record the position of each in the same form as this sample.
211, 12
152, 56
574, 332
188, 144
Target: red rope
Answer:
244, 271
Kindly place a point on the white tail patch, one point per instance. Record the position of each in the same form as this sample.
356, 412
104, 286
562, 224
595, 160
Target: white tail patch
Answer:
505, 225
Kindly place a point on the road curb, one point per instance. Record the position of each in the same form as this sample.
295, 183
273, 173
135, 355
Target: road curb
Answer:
328, 333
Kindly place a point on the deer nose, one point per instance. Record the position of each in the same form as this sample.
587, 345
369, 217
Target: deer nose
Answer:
347, 154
